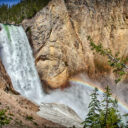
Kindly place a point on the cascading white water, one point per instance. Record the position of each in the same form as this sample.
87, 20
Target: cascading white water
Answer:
17, 58
16, 55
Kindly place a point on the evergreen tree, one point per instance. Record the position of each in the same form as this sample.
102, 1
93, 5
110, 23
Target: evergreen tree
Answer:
105, 115
109, 116
17, 13
92, 120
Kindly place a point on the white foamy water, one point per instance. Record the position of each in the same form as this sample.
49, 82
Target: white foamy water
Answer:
16, 55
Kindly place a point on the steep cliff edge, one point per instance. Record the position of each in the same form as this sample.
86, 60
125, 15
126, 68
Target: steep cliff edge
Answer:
58, 35
5, 82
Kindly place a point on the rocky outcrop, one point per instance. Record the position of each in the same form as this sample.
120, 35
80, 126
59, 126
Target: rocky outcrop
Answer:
5, 81
60, 114
59, 37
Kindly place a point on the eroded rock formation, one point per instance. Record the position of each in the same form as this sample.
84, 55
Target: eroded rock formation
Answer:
61, 114
59, 37
5, 81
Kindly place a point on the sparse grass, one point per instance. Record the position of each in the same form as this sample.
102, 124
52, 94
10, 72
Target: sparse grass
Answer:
4, 119
35, 123
30, 118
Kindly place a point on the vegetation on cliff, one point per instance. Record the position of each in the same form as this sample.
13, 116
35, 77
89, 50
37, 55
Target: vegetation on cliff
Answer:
4, 118
24, 10
118, 64
105, 114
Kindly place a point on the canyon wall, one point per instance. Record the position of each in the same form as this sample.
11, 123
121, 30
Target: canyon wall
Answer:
5, 81
58, 35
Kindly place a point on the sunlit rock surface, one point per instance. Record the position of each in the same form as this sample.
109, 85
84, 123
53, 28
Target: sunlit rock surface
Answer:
60, 114
59, 36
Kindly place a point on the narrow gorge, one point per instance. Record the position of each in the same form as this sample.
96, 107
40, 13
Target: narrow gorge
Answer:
48, 59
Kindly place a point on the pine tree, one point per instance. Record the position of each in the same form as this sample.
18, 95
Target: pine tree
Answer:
109, 116
17, 13
105, 115
92, 120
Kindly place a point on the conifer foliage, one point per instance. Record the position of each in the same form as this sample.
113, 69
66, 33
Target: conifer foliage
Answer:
24, 10
109, 116
92, 119
103, 114
118, 64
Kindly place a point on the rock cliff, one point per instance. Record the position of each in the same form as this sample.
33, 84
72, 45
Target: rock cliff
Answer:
58, 36
5, 82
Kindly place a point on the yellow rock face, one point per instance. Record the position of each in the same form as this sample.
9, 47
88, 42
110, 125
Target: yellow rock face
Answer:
59, 37
58, 80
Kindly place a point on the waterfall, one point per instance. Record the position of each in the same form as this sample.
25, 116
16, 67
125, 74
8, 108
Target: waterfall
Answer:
16, 55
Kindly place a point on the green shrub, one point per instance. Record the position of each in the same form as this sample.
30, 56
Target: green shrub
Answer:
30, 118
4, 119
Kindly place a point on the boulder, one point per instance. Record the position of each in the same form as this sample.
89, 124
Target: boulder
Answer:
61, 114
